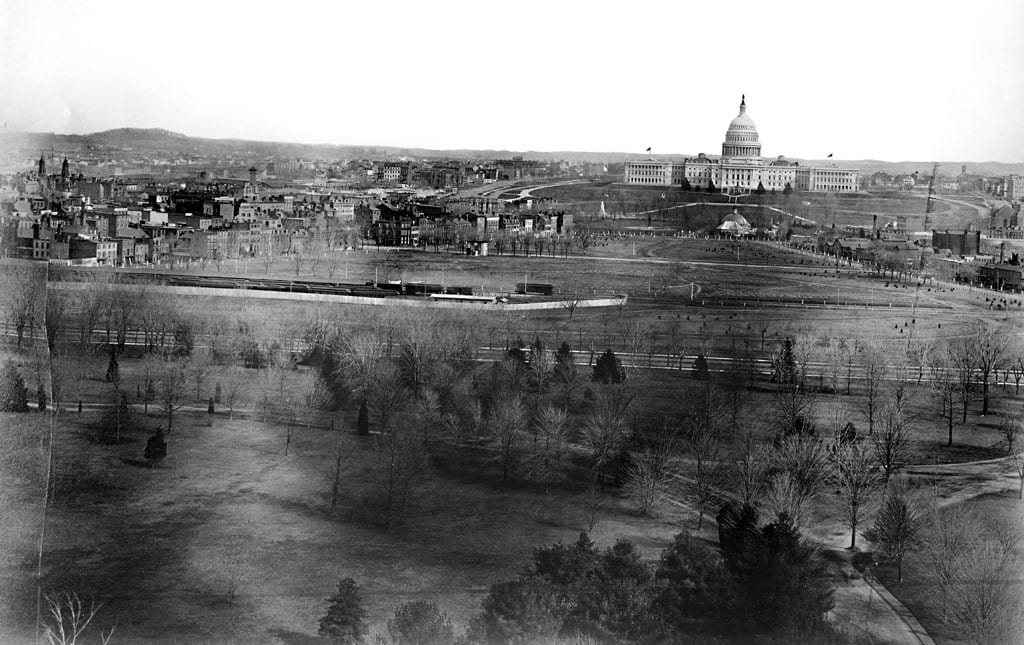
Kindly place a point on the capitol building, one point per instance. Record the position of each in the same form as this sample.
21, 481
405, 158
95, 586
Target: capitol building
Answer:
741, 167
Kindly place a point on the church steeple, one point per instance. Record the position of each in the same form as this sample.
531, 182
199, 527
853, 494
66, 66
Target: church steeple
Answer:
42, 164
64, 169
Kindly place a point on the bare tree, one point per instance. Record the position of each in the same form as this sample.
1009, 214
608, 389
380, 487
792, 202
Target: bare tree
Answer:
24, 300
56, 317
171, 384
793, 408
402, 468
782, 495
233, 382
1017, 369
855, 476
416, 354
946, 386
1017, 459
508, 423
358, 357
604, 433
545, 459
69, 619
986, 605
990, 349
388, 395
961, 358
298, 261
650, 471
198, 369
897, 528
703, 429
751, 470
875, 372
805, 460
571, 302
892, 441
969, 572
67, 371
634, 336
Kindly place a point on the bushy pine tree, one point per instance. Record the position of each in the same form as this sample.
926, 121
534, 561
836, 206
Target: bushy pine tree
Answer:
607, 369
345, 621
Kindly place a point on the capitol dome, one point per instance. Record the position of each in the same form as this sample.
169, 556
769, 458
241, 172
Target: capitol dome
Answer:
741, 137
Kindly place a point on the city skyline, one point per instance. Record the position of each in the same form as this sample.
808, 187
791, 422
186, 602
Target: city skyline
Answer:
914, 81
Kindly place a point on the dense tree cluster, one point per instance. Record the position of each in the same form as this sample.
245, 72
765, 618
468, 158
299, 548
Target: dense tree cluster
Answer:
765, 581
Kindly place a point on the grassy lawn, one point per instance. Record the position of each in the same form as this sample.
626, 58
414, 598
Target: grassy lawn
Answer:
228, 539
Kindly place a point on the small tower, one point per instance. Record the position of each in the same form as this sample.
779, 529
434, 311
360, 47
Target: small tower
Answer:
42, 164
64, 172
251, 190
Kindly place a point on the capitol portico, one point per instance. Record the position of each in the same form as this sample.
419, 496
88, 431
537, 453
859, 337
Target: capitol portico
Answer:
741, 167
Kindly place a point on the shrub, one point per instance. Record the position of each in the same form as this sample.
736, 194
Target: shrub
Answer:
13, 393
420, 623
519, 612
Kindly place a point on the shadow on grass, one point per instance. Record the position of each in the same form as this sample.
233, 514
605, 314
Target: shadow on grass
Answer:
294, 638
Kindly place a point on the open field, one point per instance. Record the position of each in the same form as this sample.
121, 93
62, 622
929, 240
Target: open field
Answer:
843, 210
231, 539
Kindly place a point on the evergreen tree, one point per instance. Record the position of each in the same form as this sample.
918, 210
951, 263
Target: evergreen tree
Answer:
607, 369
694, 592
113, 370
700, 368
156, 448
345, 621
780, 580
760, 189
565, 566
363, 422
13, 393
564, 363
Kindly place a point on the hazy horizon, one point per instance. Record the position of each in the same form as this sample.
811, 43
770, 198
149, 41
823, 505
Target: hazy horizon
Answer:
872, 80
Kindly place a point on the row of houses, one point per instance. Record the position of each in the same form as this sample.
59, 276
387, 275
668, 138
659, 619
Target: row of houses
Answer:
462, 223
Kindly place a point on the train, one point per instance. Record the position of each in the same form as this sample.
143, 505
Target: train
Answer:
366, 290
535, 288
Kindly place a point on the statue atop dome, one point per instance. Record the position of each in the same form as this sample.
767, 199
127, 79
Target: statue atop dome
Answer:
741, 138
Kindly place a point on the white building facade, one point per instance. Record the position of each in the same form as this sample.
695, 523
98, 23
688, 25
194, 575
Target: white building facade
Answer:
741, 167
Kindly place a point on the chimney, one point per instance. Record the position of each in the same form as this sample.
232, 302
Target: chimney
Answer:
874, 222
1002, 252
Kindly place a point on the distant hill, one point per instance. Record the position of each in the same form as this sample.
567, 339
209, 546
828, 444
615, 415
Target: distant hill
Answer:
160, 140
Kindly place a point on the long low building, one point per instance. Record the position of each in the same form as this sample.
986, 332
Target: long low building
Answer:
741, 168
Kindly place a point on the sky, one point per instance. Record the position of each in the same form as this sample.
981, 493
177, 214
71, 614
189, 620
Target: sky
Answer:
865, 79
